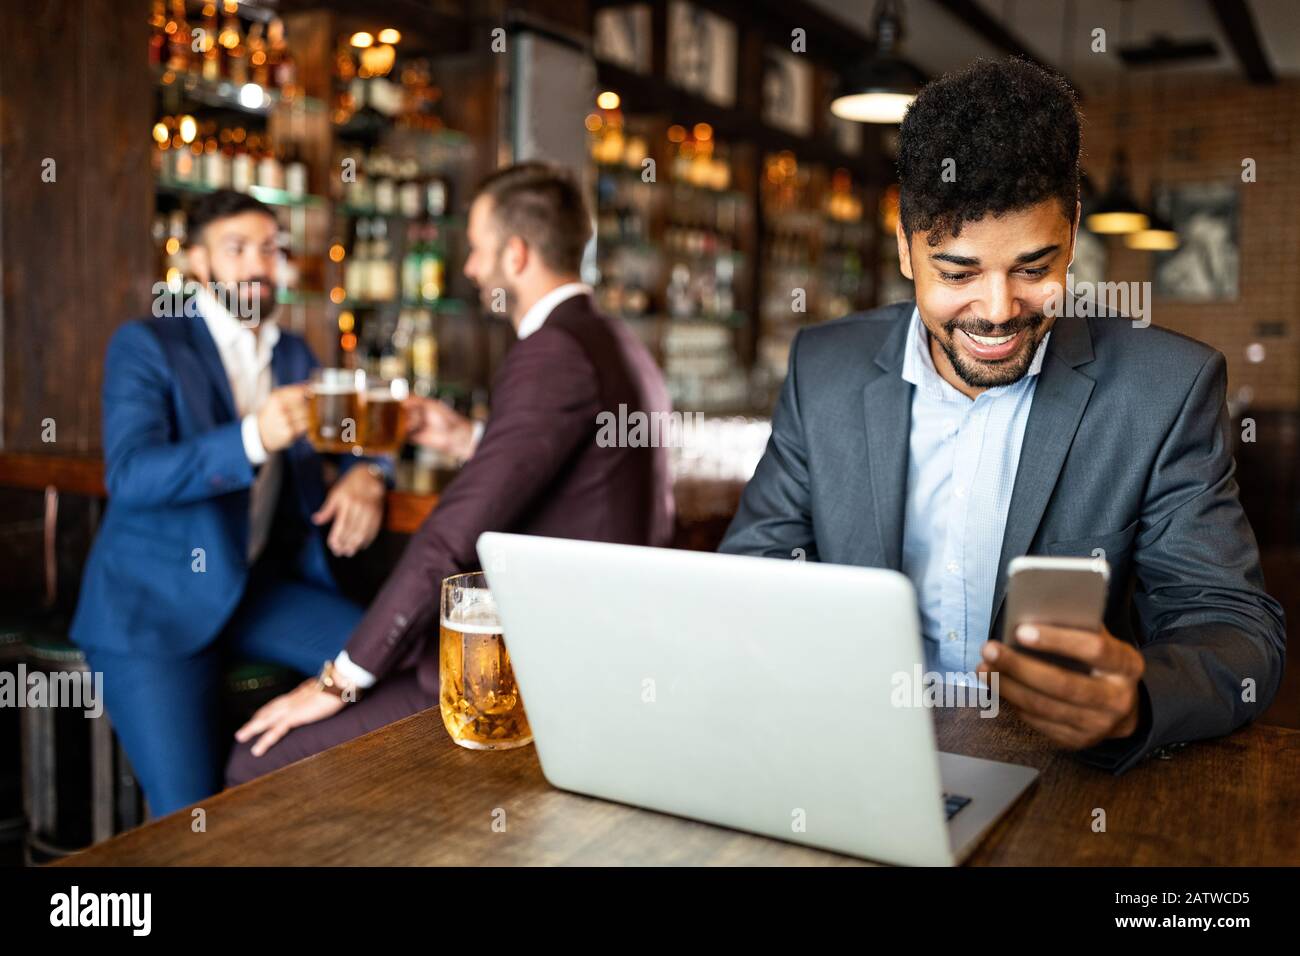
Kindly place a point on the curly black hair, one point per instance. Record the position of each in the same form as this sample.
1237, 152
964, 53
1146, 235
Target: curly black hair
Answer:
1012, 129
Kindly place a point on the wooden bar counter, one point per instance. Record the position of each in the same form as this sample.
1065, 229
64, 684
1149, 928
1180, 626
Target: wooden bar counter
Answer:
406, 795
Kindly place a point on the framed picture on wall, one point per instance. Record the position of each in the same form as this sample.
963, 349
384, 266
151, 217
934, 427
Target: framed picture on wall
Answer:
1204, 267
623, 36
787, 91
702, 53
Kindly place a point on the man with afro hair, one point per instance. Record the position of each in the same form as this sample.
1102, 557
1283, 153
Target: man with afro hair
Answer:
945, 436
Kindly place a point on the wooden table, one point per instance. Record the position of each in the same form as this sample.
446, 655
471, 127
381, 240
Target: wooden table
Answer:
406, 795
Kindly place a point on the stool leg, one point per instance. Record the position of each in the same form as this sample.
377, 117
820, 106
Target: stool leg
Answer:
40, 792
101, 778
128, 792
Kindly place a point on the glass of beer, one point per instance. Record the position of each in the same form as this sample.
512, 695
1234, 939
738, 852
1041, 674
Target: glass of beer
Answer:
480, 701
334, 410
382, 428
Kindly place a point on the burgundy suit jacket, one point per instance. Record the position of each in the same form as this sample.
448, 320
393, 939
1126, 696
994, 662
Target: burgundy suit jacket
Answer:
537, 470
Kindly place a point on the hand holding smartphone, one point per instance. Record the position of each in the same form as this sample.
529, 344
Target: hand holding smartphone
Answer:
1065, 592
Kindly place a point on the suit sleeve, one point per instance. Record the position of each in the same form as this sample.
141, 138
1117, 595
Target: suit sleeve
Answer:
775, 513
545, 402
1214, 642
143, 463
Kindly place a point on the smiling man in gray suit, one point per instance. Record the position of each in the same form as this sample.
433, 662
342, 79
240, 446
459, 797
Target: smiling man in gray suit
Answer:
946, 436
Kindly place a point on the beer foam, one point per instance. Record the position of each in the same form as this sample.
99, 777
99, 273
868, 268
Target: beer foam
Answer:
464, 627
468, 613
343, 389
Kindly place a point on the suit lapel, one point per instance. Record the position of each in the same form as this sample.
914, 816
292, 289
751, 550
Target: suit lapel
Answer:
210, 360
1060, 398
887, 403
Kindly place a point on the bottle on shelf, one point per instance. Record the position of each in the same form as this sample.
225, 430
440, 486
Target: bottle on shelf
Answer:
381, 274
157, 33
232, 40
433, 267
424, 354
177, 29
357, 271
412, 263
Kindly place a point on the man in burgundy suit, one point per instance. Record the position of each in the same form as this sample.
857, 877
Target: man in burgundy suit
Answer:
536, 468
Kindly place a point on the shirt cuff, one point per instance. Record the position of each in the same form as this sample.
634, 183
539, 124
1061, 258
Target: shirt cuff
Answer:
353, 673
253, 447
479, 428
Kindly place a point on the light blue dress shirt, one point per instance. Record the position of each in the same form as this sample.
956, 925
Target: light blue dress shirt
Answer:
961, 468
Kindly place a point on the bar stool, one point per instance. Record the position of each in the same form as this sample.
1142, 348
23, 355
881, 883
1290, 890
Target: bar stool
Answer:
78, 786
12, 821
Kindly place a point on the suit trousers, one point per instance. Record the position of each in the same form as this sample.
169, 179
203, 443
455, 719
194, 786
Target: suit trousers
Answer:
168, 711
396, 696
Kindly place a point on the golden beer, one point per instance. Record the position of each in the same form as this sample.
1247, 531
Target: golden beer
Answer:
479, 699
381, 420
334, 411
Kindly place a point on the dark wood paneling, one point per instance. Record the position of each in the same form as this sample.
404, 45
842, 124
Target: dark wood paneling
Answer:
74, 88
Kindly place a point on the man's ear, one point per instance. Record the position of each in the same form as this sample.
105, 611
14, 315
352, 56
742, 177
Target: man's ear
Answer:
904, 251
516, 257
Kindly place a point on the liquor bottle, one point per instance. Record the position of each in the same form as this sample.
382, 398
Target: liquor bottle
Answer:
410, 196
295, 172
178, 30
435, 197
259, 66
233, 42
356, 273
382, 275
424, 354
284, 70
411, 264
432, 267
211, 48
157, 32
270, 171
242, 170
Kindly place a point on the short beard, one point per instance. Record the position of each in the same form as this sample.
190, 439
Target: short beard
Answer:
976, 374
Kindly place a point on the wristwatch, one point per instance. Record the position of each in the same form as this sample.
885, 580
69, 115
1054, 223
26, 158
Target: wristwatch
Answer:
328, 681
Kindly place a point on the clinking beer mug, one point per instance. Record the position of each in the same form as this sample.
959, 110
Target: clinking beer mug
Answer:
353, 413
480, 701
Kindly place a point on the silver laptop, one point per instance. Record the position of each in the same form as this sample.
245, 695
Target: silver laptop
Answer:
748, 692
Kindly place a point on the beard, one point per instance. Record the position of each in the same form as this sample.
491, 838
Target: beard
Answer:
251, 301
992, 373
496, 295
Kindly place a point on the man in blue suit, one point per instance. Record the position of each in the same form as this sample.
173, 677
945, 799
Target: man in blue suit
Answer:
211, 546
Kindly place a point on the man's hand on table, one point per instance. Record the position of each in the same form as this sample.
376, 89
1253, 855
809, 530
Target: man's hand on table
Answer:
305, 704
356, 506
1075, 710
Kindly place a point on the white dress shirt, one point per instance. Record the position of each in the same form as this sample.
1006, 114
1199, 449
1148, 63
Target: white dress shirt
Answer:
246, 357
532, 320
963, 455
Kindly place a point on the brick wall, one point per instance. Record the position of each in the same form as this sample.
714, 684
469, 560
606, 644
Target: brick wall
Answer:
1194, 129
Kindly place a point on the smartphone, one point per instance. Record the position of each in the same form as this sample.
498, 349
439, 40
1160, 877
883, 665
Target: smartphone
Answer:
1067, 592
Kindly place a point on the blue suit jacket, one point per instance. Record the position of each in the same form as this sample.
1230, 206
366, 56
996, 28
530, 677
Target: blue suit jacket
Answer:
178, 480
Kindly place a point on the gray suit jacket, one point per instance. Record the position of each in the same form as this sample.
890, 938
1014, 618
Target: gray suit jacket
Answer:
1127, 448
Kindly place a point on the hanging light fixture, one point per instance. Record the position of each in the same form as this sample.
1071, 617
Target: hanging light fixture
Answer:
883, 86
1159, 234
1117, 212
